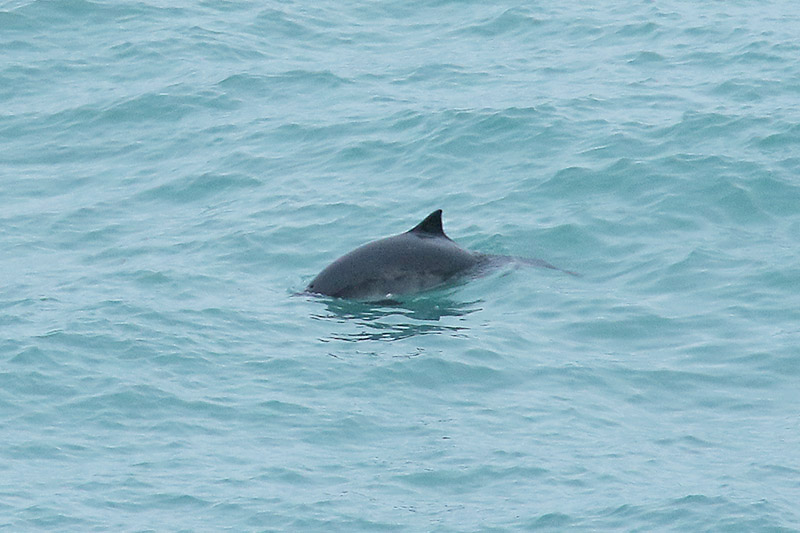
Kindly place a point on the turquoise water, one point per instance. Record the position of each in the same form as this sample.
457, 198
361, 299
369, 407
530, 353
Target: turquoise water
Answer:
172, 174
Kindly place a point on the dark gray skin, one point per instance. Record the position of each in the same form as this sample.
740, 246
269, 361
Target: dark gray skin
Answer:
417, 260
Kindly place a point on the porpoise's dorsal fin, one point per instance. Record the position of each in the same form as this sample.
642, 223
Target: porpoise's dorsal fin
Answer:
431, 226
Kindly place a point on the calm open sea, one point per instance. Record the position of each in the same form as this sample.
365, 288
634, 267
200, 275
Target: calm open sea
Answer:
173, 173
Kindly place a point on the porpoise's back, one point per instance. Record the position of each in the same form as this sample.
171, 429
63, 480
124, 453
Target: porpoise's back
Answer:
416, 260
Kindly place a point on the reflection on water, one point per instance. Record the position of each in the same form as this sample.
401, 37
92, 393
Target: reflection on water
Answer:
395, 320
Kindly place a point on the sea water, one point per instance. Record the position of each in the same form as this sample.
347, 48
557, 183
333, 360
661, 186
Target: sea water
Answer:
172, 174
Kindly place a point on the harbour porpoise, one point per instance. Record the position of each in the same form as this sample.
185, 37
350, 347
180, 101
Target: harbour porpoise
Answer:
422, 258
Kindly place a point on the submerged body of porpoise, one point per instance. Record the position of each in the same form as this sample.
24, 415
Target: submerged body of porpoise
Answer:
417, 260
